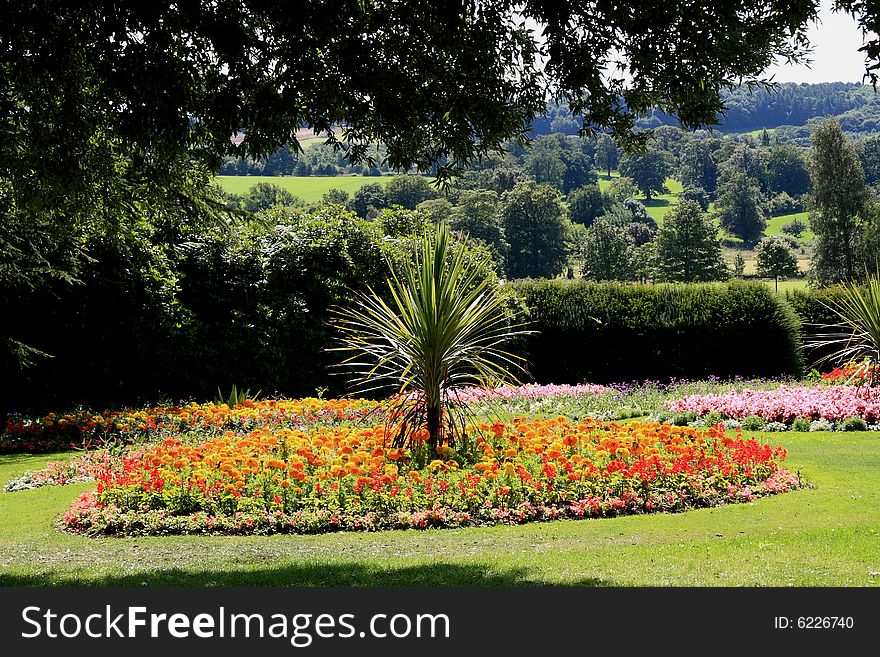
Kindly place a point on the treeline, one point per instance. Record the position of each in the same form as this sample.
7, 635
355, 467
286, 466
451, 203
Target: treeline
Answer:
750, 109
317, 159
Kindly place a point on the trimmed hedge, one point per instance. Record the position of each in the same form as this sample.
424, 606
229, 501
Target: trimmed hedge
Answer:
812, 306
611, 332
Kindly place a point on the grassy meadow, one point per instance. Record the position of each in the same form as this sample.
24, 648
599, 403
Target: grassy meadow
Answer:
309, 188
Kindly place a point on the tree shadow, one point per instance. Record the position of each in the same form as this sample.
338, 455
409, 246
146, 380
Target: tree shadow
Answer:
656, 203
309, 575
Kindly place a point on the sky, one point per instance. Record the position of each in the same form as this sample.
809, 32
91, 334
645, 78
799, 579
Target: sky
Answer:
836, 40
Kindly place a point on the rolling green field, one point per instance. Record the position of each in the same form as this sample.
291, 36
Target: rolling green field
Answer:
775, 224
660, 204
309, 188
824, 536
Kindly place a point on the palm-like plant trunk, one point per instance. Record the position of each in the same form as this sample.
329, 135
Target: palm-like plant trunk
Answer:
433, 423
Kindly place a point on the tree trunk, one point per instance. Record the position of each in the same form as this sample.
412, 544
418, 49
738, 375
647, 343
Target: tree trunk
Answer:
433, 426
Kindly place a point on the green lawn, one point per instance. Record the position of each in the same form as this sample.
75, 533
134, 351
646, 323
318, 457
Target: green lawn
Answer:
309, 188
775, 224
659, 205
826, 536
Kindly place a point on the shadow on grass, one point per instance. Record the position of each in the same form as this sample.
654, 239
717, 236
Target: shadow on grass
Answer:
656, 203
357, 575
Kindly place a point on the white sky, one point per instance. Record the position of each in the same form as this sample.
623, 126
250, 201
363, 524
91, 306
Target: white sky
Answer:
836, 40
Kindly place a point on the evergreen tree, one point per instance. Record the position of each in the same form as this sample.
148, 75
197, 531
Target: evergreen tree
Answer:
739, 205
688, 249
839, 196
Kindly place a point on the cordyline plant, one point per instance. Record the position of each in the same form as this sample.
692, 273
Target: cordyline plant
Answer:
856, 338
443, 329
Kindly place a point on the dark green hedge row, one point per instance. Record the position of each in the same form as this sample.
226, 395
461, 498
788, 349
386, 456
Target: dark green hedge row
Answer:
815, 309
605, 333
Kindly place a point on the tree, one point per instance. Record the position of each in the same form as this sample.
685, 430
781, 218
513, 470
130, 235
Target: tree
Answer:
607, 253
869, 154
697, 194
739, 265
795, 228
578, 170
787, 171
607, 157
443, 330
839, 196
748, 160
544, 163
536, 229
337, 196
621, 189
476, 215
263, 196
775, 259
128, 107
409, 190
437, 209
368, 200
649, 171
739, 205
696, 167
688, 249
586, 204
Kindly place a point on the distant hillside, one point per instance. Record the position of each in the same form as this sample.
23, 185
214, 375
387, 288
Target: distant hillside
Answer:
788, 105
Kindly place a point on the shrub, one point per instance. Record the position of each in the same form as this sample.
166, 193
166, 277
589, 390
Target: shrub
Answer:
821, 425
752, 423
684, 419
800, 424
611, 332
712, 418
795, 228
855, 424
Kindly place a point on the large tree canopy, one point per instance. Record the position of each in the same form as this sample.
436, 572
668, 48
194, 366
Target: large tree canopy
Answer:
445, 81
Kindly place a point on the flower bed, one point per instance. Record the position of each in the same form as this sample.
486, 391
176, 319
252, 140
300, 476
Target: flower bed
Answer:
83, 429
344, 478
787, 404
529, 391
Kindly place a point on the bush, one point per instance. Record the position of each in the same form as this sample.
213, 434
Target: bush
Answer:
821, 425
752, 423
800, 424
855, 424
611, 332
783, 204
795, 228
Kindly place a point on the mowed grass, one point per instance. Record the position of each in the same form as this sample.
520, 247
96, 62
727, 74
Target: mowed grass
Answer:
659, 205
309, 188
825, 536
775, 224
